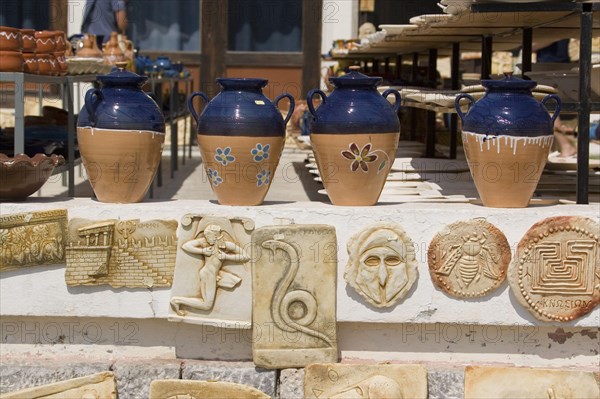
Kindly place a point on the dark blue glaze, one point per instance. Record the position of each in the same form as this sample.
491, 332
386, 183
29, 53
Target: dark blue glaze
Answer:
163, 63
121, 104
241, 109
355, 106
508, 108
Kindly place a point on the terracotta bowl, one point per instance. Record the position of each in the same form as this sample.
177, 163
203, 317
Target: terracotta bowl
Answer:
22, 176
28, 36
30, 64
11, 61
10, 39
45, 42
61, 62
47, 64
60, 40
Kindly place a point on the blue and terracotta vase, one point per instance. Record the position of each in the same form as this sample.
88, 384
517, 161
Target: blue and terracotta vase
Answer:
120, 131
241, 135
507, 135
354, 134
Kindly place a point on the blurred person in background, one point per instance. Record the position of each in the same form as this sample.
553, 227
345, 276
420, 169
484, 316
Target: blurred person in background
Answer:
102, 17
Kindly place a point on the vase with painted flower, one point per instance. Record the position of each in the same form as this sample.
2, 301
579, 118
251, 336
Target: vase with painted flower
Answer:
354, 134
507, 136
241, 135
121, 132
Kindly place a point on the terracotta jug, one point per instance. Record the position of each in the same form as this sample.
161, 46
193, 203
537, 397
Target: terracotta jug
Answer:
354, 134
241, 135
121, 132
112, 52
89, 47
507, 136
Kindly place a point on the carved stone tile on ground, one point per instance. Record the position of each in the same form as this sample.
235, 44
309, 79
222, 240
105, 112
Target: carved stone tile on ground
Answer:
212, 283
174, 389
126, 253
101, 385
33, 238
134, 377
294, 295
365, 381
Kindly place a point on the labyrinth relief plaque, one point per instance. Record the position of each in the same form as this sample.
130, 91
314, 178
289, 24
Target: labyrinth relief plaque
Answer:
556, 271
121, 253
188, 389
294, 295
396, 381
469, 258
381, 266
32, 239
212, 283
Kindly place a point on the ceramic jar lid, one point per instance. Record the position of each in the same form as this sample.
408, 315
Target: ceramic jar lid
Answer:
355, 79
121, 77
509, 83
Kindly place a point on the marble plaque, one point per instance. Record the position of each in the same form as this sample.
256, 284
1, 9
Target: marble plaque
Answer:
527, 383
365, 381
212, 283
121, 253
382, 266
188, 389
556, 270
32, 239
294, 295
469, 258
96, 386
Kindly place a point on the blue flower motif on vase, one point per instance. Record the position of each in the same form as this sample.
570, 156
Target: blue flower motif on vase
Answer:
214, 177
261, 152
223, 156
263, 178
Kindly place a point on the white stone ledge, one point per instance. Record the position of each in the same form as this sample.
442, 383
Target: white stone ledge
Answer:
42, 291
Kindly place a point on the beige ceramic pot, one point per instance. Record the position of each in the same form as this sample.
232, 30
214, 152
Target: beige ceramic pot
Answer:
120, 165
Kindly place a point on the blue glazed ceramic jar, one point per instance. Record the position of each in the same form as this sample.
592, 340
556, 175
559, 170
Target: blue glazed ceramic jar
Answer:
121, 104
354, 135
241, 135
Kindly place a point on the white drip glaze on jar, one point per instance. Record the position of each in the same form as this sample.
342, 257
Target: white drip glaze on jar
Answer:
512, 142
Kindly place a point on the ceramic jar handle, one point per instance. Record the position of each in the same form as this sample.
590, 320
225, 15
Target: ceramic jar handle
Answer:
309, 99
457, 105
292, 105
191, 103
396, 94
90, 104
558, 104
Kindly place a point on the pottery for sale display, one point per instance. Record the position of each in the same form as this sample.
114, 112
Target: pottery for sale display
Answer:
507, 136
22, 176
28, 36
120, 132
355, 135
241, 135
11, 61
10, 39
45, 42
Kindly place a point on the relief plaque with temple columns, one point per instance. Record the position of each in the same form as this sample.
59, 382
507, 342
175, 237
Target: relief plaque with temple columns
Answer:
33, 239
121, 253
294, 271
398, 381
95, 386
382, 266
212, 283
555, 273
188, 389
530, 383
469, 258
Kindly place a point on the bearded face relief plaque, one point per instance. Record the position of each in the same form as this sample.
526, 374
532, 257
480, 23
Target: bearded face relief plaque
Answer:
212, 282
469, 258
382, 266
556, 271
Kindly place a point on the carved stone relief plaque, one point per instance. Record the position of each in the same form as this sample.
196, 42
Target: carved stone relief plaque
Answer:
95, 386
212, 283
121, 253
556, 269
382, 266
396, 381
469, 258
188, 389
294, 295
32, 238
509, 383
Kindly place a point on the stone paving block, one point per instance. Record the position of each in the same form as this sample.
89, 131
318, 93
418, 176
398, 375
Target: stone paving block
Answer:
291, 384
239, 372
134, 377
15, 375
446, 383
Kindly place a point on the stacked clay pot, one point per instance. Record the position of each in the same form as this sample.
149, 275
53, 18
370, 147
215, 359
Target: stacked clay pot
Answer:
60, 52
29, 55
241, 135
120, 131
45, 42
507, 135
354, 134
11, 43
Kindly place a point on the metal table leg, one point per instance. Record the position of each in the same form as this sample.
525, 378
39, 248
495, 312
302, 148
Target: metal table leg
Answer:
19, 145
430, 134
583, 136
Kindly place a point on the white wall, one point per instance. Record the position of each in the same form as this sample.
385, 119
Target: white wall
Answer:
75, 13
340, 21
